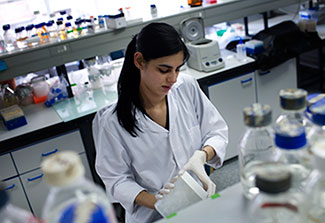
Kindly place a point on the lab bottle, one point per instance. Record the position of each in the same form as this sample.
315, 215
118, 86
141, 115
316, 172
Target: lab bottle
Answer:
21, 37
256, 145
40, 89
9, 38
84, 26
78, 29
194, 3
42, 33
317, 131
153, 10
293, 150
32, 37
73, 198
293, 103
69, 30
53, 34
241, 51
62, 34
314, 202
275, 203
9, 97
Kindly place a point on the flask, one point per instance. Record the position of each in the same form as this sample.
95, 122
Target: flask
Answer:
290, 137
317, 131
9, 38
275, 203
72, 198
314, 204
256, 145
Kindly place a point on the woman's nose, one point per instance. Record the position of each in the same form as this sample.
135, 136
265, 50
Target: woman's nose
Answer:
172, 77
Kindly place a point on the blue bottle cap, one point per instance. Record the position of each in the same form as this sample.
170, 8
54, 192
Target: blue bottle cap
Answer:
60, 19
69, 17
37, 26
63, 12
68, 24
18, 30
49, 24
29, 27
6, 27
290, 142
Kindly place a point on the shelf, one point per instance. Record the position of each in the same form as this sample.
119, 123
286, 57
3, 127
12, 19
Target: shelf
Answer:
55, 54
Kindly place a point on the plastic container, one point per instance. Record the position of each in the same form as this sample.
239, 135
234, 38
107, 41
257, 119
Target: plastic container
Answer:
32, 37
72, 198
241, 51
53, 34
40, 89
24, 93
186, 192
153, 10
275, 203
21, 37
256, 145
314, 203
69, 30
317, 131
62, 34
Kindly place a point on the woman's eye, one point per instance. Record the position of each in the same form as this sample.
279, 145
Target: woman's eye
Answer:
163, 71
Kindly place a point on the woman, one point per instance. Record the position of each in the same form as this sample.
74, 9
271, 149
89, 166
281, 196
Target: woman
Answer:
161, 125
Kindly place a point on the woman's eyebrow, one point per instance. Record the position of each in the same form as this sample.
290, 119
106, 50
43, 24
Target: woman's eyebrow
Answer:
168, 66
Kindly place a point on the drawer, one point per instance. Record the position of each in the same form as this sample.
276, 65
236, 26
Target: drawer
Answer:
36, 190
16, 193
7, 168
30, 157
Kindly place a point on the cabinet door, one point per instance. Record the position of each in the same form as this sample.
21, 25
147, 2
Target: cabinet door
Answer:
37, 152
84, 160
16, 193
36, 190
7, 168
269, 83
230, 97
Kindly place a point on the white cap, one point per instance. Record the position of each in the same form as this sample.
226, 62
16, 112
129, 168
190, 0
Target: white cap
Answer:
318, 149
62, 168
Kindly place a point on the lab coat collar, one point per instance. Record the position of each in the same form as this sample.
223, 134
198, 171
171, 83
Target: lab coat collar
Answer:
146, 124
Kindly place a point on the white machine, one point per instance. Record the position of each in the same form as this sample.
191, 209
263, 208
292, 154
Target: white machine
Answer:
205, 53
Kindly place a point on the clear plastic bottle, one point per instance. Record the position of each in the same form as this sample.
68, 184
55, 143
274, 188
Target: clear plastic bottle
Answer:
72, 198
32, 37
317, 131
256, 145
53, 34
9, 38
42, 33
21, 37
2, 44
290, 137
241, 50
314, 203
275, 203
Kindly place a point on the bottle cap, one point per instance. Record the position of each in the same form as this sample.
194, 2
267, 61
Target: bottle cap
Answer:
60, 19
18, 30
63, 12
293, 99
29, 27
318, 112
37, 26
318, 150
69, 17
59, 22
6, 27
273, 178
257, 115
49, 24
68, 24
62, 168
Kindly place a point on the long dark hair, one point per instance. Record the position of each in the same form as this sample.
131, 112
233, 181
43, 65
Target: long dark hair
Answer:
154, 41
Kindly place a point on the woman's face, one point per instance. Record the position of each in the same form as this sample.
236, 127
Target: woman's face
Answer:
159, 75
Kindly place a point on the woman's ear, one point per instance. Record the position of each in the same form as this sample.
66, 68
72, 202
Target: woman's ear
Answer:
139, 60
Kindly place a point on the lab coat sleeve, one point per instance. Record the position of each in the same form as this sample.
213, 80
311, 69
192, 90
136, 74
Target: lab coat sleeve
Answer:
214, 130
112, 165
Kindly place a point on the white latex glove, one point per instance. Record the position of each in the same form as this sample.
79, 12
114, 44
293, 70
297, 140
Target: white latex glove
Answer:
196, 164
166, 189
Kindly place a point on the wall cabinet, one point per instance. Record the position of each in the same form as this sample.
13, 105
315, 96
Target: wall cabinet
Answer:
21, 168
230, 97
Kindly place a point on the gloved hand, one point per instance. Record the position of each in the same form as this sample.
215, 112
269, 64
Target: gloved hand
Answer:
166, 189
196, 164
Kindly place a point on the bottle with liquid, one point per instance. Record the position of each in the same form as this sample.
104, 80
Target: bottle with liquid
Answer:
69, 30
275, 203
73, 198
2, 44
256, 145
9, 38
241, 50
32, 36
314, 203
9, 97
290, 137
21, 37
53, 34
153, 10
62, 34
42, 33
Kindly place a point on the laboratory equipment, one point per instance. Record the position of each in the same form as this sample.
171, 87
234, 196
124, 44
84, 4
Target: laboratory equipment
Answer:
69, 30
52, 31
21, 37
275, 203
116, 21
256, 145
40, 89
241, 51
32, 37
153, 10
204, 53
13, 117
8, 96
317, 131
254, 47
72, 198
314, 203
24, 93
290, 137
62, 35
2, 44
185, 193
9, 38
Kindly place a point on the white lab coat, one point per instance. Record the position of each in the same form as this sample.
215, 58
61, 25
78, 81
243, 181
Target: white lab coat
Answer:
127, 165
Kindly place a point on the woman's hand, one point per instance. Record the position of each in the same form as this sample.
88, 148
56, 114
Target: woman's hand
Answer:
196, 164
